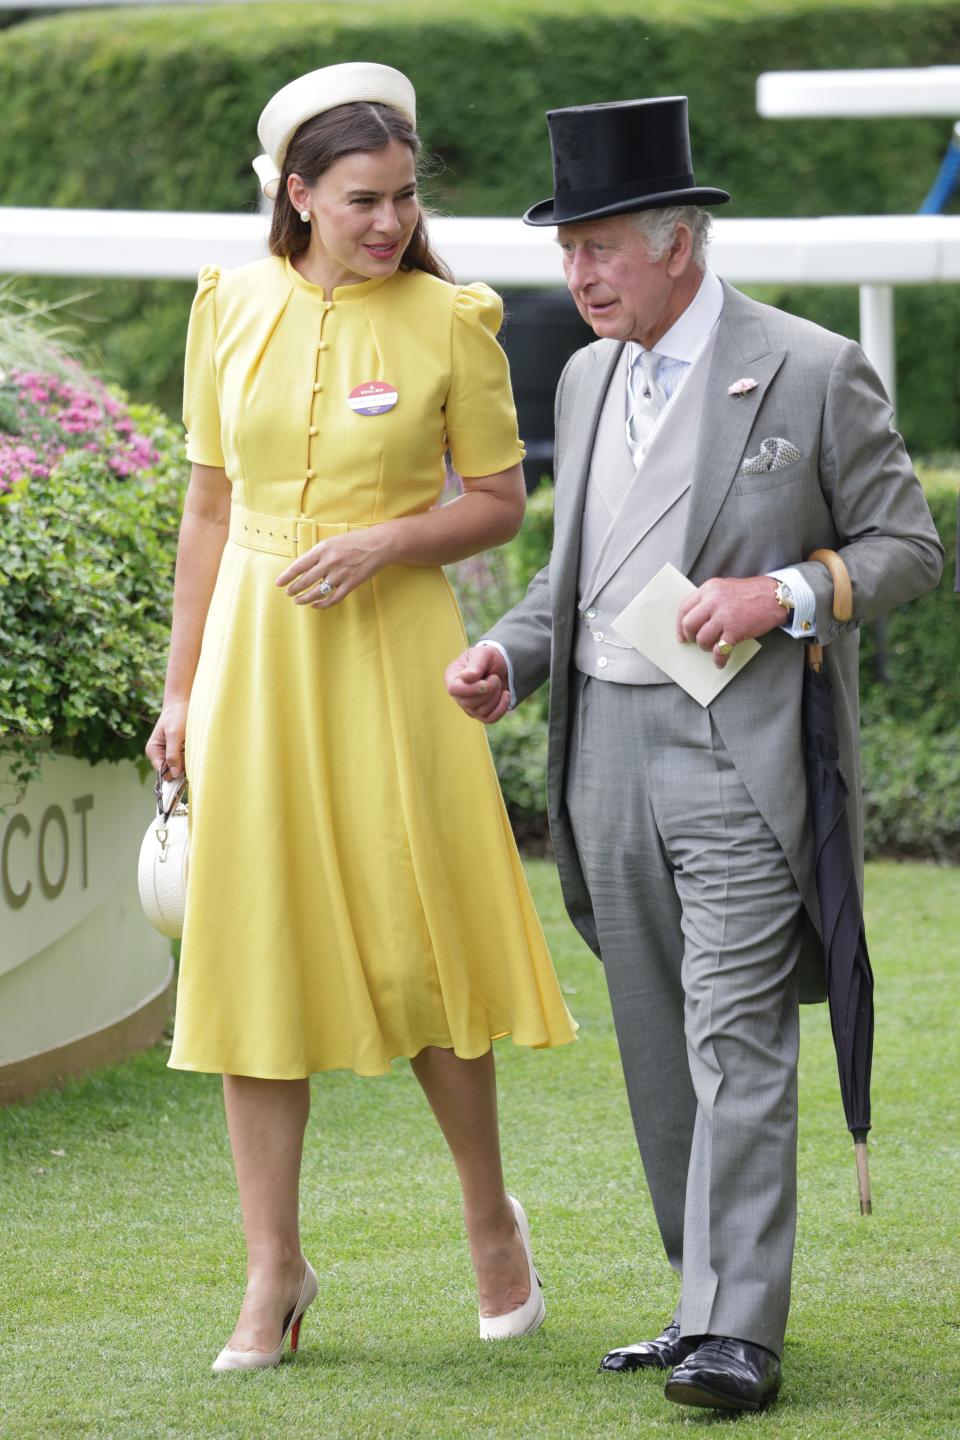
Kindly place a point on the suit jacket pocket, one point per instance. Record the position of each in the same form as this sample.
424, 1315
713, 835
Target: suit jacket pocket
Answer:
771, 479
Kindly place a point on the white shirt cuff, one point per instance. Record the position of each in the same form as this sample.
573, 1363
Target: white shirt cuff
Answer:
802, 620
497, 646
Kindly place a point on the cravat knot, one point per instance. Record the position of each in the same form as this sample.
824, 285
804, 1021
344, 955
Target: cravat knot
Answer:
650, 388
648, 399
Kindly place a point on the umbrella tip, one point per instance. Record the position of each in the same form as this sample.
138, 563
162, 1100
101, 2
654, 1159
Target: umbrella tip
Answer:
863, 1174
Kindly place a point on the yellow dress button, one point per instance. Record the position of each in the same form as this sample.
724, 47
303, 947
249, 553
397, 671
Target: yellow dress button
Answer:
324, 345
311, 474
312, 430
317, 388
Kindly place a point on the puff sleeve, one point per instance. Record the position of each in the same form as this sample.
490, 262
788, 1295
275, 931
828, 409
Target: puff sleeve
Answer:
201, 406
480, 417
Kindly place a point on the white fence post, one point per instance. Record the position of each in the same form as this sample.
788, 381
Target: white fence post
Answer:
876, 335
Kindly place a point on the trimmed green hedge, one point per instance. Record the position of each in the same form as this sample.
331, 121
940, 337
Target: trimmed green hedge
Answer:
163, 105
911, 799
162, 109
921, 690
910, 719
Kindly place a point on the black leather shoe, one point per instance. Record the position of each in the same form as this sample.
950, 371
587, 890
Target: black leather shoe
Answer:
725, 1374
668, 1349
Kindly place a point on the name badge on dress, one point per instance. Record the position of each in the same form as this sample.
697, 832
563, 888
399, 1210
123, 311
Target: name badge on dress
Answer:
373, 397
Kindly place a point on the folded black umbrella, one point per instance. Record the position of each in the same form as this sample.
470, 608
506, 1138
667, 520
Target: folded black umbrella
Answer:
849, 977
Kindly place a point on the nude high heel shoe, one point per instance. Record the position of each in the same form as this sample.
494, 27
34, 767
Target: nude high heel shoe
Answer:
266, 1359
528, 1317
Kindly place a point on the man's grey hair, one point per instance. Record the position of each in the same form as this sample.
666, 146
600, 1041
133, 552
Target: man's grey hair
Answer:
659, 229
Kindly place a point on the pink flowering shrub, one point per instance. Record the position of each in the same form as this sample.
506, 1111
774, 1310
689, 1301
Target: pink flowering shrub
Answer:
44, 417
90, 497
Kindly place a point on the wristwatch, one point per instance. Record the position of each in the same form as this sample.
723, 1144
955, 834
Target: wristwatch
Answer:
784, 597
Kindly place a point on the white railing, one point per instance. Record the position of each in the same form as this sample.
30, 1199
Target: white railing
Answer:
873, 252
870, 94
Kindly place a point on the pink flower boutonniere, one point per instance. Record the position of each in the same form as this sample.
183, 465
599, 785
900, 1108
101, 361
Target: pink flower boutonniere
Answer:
742, 387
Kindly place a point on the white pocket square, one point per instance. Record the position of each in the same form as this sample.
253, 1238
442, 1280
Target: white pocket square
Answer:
775, 453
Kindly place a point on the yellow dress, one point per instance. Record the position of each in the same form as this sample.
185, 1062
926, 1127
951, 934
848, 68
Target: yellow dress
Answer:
355, 892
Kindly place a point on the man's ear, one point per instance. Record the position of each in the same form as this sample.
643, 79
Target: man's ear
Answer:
678, 258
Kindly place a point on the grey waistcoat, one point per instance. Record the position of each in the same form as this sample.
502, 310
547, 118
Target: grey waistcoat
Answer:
634, 520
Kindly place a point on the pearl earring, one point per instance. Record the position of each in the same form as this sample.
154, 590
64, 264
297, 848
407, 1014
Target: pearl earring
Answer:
305, 216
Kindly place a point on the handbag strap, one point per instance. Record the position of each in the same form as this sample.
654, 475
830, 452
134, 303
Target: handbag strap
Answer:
169, 794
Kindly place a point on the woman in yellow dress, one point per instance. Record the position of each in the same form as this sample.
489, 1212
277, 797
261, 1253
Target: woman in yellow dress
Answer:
355, 894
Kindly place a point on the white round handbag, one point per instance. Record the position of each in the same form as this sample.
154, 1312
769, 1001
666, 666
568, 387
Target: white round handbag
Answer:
164, 860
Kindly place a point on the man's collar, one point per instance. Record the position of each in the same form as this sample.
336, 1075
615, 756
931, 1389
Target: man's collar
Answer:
688, 334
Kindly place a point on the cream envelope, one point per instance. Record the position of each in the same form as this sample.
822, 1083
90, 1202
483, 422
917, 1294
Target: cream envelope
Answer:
650, 624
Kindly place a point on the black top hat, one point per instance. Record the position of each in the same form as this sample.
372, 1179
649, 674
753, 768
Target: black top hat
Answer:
626, 156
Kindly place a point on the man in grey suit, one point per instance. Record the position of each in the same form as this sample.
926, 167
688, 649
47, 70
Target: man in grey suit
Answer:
732, 440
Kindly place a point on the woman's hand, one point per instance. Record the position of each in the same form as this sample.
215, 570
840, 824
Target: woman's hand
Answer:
165, 746
343, 562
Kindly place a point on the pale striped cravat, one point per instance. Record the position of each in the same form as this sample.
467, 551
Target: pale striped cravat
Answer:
649, 398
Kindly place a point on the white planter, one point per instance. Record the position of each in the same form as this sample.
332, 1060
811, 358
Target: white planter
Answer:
83, 979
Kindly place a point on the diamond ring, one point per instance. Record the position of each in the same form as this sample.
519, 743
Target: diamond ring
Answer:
325, 587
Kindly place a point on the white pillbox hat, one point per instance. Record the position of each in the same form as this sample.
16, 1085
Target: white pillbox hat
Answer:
322, 90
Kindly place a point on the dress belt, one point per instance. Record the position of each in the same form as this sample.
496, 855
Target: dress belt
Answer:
282, 535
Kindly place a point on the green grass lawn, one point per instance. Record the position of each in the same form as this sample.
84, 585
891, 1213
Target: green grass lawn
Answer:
121, 1259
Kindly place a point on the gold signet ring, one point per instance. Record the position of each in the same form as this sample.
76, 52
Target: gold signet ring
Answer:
724, 647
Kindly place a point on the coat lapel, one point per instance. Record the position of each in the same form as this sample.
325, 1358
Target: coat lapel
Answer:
582, 416
659, 484
742, 351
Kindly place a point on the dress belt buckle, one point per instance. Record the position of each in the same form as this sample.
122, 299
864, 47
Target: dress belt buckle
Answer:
306, 536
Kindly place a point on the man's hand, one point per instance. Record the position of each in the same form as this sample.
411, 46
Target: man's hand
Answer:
728, 611
478, 681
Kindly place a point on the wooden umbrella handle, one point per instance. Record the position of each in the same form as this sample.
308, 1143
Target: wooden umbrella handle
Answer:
842, 600
842, 588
